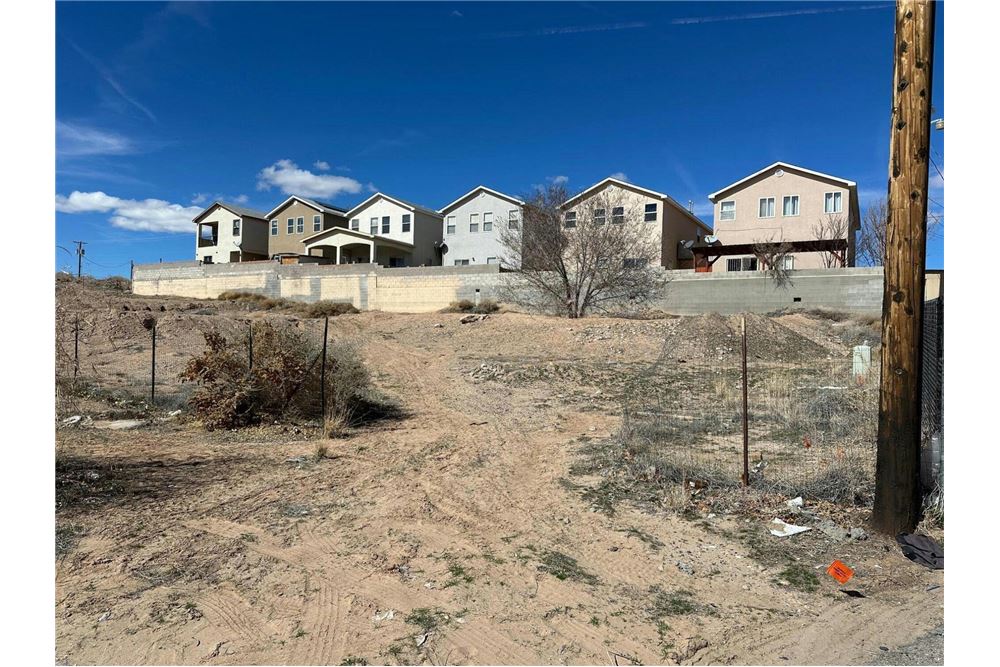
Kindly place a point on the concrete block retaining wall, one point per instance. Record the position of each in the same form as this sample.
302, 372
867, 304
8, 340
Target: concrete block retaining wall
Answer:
427, 289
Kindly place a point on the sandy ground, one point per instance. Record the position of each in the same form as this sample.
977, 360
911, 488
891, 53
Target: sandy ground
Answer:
182, 546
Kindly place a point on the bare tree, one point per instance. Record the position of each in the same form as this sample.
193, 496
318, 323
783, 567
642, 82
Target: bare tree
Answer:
833, 226
871, 241
771, 255
597, 256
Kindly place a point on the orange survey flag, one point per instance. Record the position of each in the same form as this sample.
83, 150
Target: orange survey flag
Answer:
840, 571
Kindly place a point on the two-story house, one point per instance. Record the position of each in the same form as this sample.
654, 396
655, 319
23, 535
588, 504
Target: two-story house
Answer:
229, 233
297, 218
381, 230
473, 225
667, 222
783, 202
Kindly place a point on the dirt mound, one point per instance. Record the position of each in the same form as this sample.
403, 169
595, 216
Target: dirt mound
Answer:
715, 337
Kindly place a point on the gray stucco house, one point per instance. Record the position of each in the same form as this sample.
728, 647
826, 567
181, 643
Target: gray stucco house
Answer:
472, 226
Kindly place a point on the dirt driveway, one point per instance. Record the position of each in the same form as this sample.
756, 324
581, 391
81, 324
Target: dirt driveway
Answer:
452, 536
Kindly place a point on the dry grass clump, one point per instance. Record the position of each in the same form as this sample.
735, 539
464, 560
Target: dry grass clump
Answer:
317, 309
285, 382
485, 306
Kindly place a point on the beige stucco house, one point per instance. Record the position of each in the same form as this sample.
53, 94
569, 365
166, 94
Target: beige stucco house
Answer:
784, 202
382, 230
668, 222
226, 233
297, 218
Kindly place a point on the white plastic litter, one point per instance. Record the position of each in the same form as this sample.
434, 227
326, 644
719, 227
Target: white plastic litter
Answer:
386, 615
795, 503
782, 529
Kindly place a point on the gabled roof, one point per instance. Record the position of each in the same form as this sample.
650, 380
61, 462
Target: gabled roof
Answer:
356, 233
241, 211
646, 191
395, 200
312, 203
784, 165
483, 188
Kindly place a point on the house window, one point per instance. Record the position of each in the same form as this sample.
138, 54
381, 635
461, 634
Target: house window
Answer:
600, 216
488, 222
461, 262
512, 220
207, 260
374, 226
385, 224
790, 205
317, 223
406, 222
356, 224
833, 202
727, 210
618, 214
451, 224
650, 213
291, 225
570, 220
274, 228
236, 227
741, 264
766, 207
473, 222
635, 262
301, 225
492, 260
788, 262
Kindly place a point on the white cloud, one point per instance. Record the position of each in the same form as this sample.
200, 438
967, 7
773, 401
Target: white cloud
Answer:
290, 179
558, 180
620, 175
322, 165
457, 13
936, 182
205, 197
146, 215
78, 140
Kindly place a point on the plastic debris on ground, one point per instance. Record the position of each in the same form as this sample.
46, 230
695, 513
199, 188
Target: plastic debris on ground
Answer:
782, 529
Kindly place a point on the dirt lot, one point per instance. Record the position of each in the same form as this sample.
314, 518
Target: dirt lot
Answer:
455, 535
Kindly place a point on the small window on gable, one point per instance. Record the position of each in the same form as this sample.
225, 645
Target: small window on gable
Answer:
291, 225
833, 202
300, 225
317, 223
374, 226
236, 227
406, 222
512, 219
274, 228
473, 223
488, 221
600, 216
570, 219
618, 214
356, 224
451, 224
727, 210
790, 205
766, 207
385, 224
649, 215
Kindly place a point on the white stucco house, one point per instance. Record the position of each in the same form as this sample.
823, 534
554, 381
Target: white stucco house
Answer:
227, 232
382, 230
473, 223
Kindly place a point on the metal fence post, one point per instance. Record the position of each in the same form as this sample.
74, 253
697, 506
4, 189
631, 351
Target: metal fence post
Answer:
152, 381
746, 429
322, 372
250, 347
76, 348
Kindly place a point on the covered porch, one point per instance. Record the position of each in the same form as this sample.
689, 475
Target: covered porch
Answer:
346, 246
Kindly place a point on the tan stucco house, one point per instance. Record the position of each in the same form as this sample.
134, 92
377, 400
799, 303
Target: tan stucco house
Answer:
381, 230
226, 233
784, 202
668, 222
298, 218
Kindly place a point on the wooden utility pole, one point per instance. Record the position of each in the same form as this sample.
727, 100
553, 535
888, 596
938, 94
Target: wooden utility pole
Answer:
897, 467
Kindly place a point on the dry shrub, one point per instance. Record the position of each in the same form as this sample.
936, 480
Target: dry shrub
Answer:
485, 306
312, 310
285, 382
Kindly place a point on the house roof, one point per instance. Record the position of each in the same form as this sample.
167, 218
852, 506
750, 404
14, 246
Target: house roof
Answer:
784, 165
396, 200
483, 188
646, 191
332, 231
241, 211
312, 203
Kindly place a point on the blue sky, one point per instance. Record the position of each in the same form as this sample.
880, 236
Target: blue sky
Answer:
162, 108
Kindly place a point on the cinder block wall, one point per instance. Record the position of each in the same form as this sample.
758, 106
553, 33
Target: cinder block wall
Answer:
427, 289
